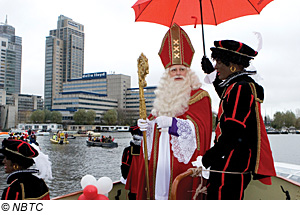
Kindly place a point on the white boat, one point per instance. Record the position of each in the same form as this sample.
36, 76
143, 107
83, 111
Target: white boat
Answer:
4, 135
288, 171
42, 133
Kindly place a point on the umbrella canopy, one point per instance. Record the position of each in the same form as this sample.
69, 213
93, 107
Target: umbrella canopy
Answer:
188, 12
182, 12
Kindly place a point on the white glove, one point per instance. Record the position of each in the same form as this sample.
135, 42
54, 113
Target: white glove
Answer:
143, 124
164, 121
198, 163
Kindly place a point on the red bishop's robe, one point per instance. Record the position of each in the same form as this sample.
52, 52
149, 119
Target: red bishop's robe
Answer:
200, 114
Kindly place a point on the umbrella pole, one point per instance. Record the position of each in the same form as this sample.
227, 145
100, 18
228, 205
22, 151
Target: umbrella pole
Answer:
202, 27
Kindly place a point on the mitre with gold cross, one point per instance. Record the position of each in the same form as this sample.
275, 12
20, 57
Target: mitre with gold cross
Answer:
176, 48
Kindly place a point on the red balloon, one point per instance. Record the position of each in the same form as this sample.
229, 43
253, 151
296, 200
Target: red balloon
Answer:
82, 197
101, 197
90, 192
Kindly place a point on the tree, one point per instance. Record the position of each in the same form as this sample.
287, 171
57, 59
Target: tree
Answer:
297, 124
282, 119
289, 119
37, 116
48, 115
90, 117
110, 117
214, 118
79, 117
56, 117
298, 113
124, 117
278, 121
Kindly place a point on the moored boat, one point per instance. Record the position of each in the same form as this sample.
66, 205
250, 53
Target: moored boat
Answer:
271, 130
4, 134
42, 133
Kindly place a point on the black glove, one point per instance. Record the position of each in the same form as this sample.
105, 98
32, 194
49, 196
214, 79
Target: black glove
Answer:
206, 65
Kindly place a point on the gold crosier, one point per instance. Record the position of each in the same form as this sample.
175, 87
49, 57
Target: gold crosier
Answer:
143, 70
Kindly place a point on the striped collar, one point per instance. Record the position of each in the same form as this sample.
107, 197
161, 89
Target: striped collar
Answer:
14, 175
235, 75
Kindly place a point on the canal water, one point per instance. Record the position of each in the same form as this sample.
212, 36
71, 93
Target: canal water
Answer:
73, 161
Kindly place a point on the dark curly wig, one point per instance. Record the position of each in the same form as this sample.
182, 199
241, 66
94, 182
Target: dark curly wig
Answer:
227, 57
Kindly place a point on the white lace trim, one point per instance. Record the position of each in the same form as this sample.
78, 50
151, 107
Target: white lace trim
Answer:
149, 135
184, 145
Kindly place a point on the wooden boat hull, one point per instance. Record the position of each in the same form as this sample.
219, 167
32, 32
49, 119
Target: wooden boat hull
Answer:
117, 193
281, 189
101, 144
58, 142
255, 191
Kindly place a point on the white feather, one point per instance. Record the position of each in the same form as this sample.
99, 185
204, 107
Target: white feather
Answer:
259, 38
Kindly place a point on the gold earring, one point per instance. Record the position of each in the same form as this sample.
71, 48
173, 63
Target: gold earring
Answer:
16, 166
232, 69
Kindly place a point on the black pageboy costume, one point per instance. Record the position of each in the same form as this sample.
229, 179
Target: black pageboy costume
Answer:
241, 145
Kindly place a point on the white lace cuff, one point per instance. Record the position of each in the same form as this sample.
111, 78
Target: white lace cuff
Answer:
184, 145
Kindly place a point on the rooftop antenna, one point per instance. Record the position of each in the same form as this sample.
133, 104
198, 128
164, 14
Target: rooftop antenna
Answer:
5, 21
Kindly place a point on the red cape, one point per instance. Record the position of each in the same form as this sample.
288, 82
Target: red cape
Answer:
200, 114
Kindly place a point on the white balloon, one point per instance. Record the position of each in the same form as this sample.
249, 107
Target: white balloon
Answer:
98, 186
104, 185
88, 180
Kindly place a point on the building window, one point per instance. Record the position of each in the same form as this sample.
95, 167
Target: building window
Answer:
3, 43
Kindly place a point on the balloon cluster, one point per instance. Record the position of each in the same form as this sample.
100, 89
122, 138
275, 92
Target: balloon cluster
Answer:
95, 190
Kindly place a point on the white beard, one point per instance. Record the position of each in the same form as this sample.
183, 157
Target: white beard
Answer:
172, 96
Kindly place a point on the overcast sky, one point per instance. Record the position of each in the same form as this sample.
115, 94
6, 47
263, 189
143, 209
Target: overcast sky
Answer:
114, 41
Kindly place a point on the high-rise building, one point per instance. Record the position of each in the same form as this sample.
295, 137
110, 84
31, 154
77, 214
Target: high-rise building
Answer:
11, 59
68, 89
64, 57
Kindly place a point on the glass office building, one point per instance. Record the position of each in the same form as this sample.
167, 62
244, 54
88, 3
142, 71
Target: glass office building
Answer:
64, 57
11, 59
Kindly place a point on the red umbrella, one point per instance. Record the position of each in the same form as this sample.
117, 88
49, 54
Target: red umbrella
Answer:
189, 12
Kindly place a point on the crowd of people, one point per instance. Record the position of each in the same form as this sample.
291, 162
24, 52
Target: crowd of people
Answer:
60, 136
102, 139
179, 130
25, 136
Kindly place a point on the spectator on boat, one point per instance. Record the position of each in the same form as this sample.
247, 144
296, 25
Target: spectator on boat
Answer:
241, 143
180, 126
32, 138
11, 136
23, 184
89, 136
130, 162
62, 136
